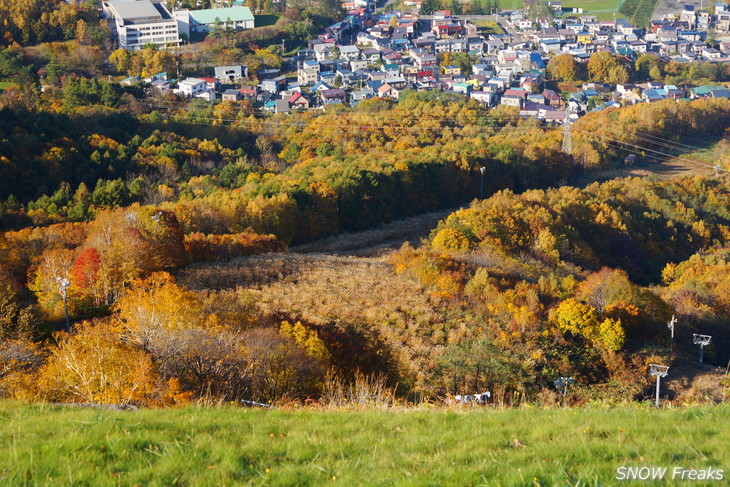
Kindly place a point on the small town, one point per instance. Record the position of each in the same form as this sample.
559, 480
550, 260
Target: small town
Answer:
370, 54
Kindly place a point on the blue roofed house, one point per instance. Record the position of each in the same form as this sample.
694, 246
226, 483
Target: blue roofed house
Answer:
537, 61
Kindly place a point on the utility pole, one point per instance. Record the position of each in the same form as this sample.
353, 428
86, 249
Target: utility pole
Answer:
63, 285
671, 325
567, 139
482, 170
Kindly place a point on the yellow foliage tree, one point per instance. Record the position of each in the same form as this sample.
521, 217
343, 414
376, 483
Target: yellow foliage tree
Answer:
306, 338
450, 239
581, 319
94, 365
156, 304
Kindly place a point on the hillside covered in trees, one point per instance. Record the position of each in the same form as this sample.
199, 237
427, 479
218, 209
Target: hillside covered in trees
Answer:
129, 217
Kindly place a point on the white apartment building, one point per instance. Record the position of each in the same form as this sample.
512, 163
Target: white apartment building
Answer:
139, 22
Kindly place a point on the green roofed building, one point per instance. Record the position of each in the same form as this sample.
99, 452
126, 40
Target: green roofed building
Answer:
236, 17
709, 92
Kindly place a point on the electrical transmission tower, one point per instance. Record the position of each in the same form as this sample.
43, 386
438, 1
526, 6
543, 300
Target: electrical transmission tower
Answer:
567, 138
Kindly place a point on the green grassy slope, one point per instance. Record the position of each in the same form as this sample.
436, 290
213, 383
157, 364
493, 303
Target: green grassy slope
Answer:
43, 445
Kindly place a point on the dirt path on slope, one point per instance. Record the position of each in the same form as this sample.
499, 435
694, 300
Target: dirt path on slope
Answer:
378, 241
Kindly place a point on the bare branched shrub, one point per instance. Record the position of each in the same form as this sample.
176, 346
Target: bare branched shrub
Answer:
363, 391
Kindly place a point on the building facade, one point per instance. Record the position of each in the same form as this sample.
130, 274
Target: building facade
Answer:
137, 23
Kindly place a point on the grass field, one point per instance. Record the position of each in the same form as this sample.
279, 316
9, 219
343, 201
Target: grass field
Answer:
265, 20
4, 85
43, 445
590, 5
489, 27
639, 12
587, 5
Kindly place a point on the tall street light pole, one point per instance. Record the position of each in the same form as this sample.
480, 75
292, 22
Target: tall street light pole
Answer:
63, 285
482, 170
671, 326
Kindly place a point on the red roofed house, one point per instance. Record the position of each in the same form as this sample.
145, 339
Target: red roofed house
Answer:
211, 83
298, 101
552, 98
388, 91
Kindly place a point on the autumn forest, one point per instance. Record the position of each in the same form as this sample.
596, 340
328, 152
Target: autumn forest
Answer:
158, 252
165, 234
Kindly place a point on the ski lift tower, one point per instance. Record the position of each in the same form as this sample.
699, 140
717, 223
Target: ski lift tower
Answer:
562, 386
701, 340
658, 371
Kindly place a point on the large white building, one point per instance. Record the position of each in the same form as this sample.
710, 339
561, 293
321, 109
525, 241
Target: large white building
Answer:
139, 22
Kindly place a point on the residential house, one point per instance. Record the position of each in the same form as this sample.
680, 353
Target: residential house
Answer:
324, 51
482, 69
358, 65
463, 88
393, 58
422, 59
281, 106
514, 97
552, 99
554, 116
191, 87
231, 95
709, 92
711, 53
485, 97
298, 101
652, 95
674, 93
451, 69
333, 96
722, 24
442, 15
274, 85
130, 81
388, 91
249, 93
268, 73
349, 53
308, 73
360, 95
211, 83
372, 56
229, 74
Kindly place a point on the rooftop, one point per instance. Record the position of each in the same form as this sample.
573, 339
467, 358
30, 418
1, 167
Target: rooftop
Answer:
234, 14
142, 9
